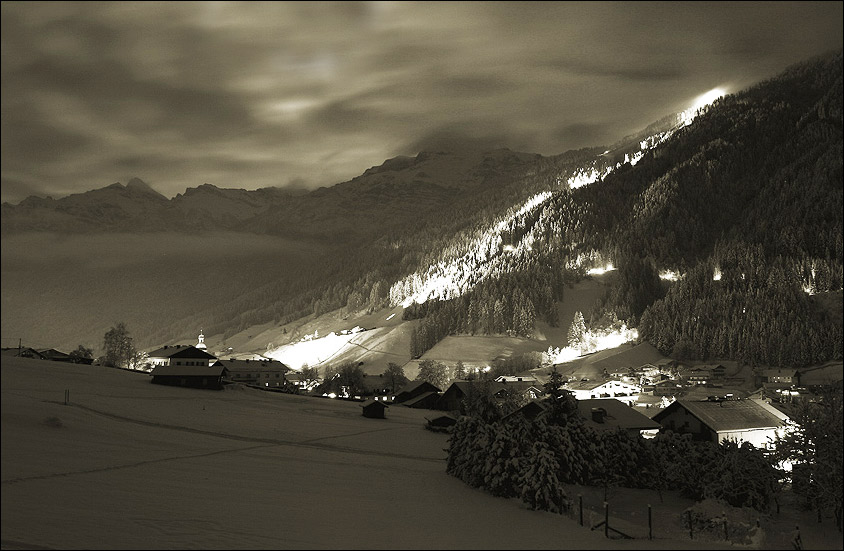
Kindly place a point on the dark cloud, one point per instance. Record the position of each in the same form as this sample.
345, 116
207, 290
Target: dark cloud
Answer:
647, 70
259, 94
457, 138
586, 134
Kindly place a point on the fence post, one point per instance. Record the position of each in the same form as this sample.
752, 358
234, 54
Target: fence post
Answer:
66, 396
650, 524
726, 532
580, 499
606, 519
691, 532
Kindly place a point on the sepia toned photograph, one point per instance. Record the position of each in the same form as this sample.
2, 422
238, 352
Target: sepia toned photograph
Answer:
422, 275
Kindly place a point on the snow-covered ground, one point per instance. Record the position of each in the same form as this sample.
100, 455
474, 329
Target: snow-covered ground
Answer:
128, 464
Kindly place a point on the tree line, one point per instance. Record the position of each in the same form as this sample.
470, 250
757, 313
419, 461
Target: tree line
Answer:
511, 456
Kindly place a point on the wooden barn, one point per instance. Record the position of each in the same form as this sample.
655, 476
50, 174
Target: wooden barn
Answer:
197, 376
427, 400
374, 409
414, 389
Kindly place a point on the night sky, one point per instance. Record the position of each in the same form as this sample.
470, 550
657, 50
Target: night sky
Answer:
250, 95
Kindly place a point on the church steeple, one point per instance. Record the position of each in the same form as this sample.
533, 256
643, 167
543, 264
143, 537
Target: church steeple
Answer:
201, 344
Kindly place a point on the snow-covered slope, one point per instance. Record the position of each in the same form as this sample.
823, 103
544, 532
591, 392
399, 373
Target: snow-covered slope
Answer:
127, 464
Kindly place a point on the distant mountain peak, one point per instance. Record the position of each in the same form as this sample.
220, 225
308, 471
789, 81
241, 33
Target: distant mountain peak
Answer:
398, 163
136, 184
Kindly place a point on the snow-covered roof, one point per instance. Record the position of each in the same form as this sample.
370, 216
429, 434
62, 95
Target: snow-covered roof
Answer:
180, 351
619, 415
726, 415
240, 366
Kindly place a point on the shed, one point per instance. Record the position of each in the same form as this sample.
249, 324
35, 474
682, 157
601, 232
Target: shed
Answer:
374, 409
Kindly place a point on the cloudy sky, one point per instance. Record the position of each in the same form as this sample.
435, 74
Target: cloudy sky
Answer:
249, 95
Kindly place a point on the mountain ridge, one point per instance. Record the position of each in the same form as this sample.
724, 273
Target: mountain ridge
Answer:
504, 236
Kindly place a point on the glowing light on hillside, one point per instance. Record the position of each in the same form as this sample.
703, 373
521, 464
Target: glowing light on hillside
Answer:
311, 350
809, 288
705, 99
583, 178
669, 275
391, 316
594, 342
601, 271
700, 102
717, 275
451, 278
633, 159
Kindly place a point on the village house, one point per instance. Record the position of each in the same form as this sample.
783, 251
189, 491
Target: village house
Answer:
599, 414
627, 375
717, 371
45, 354
54, 355
699, 376
299, 383
625, 391
414, 389
454, 395
780, 378
264, 373
611, 414
524, 378
719, 420
180, 355
23, 352
378, 387
186, 365
452, 398
652, 373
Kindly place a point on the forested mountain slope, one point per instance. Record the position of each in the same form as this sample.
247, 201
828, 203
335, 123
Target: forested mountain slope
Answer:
744, 203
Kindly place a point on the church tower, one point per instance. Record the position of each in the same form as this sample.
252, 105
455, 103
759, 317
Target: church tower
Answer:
201, 344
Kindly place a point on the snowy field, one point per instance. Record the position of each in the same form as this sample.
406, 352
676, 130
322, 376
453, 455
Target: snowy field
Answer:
132, 465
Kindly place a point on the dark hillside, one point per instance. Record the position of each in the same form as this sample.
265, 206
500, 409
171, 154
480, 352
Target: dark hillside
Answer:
745, 203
